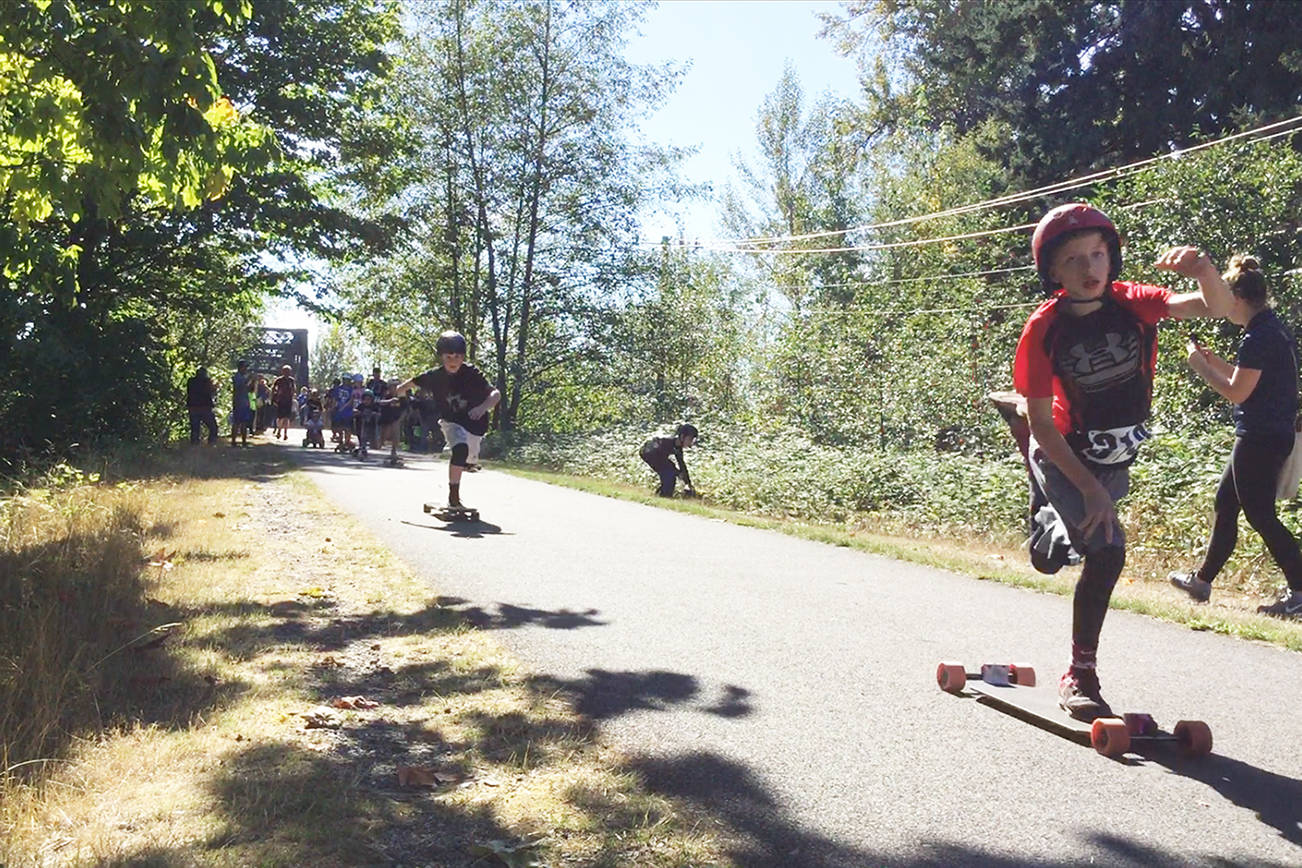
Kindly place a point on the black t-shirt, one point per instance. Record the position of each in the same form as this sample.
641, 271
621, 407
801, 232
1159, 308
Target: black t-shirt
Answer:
1269, 347
455, 394
657, 451
282, 390
198, 393
391, 411
1104, 362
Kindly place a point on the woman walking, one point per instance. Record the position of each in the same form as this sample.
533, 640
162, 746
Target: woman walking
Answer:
1262, 385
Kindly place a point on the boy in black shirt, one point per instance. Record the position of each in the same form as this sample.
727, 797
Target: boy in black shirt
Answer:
659, 453
464, 399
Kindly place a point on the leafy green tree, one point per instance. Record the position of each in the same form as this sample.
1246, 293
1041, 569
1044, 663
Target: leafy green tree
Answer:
1075, 85
333, 355
524, 188
167, 165
805, 184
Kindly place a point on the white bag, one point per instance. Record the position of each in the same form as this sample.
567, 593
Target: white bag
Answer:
1290, 475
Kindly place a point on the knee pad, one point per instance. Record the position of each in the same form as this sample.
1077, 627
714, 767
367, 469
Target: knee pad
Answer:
459, 454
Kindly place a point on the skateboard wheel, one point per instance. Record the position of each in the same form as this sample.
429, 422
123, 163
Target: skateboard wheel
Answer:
1109, 736
1023, 674
951, 677
1195, 737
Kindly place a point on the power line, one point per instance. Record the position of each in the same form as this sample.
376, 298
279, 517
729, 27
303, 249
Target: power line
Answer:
1279, 128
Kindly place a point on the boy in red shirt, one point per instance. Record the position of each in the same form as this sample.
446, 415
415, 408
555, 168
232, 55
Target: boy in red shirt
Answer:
1085, 365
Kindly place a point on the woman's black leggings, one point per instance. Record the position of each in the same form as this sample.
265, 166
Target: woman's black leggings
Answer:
1249, 485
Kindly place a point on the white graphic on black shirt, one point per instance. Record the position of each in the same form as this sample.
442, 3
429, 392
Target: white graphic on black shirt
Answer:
1101, 364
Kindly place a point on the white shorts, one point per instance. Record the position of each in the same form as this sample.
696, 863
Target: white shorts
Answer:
454, 434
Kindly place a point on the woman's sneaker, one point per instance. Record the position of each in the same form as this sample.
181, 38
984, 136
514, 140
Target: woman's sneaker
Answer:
1288, 607
1195, 587
1078, 694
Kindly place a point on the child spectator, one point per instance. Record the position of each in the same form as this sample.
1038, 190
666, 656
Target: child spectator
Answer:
366, 420
393, 410
314, 425
343, 417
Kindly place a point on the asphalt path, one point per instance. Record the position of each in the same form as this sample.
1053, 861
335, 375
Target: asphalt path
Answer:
788, 687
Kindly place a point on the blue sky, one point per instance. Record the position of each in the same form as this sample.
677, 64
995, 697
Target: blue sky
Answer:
737, 51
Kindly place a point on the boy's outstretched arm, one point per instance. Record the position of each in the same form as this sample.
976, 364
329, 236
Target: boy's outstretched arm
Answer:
1213, 297
1099, 508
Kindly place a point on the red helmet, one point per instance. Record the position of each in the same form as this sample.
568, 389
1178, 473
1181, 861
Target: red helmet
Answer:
1063, 222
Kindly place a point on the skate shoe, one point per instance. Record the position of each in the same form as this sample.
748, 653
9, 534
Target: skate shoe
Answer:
1195, 587
1078, 695
1289, 606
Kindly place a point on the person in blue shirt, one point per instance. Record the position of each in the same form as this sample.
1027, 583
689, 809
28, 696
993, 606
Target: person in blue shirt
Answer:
241, 411
1262, 385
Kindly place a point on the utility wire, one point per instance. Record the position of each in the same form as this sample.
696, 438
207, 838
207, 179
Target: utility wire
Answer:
1263, 133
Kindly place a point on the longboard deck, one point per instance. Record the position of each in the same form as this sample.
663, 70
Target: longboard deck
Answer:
1037, 705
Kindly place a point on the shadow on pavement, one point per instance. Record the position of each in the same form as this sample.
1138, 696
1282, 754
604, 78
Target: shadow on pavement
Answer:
1274, 798
462, 529
765, 836
509, 617
603, 695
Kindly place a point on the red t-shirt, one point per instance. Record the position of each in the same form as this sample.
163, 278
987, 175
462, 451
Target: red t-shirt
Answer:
1097, 368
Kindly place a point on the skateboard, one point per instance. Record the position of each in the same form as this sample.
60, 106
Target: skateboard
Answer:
1011, 689
452, 513
1012, 407
394, 461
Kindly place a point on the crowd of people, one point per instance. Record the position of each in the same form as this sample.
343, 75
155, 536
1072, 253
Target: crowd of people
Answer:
448, 406
359, 414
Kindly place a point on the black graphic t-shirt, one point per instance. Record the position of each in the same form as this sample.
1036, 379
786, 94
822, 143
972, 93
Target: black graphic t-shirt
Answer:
1097, 368
455, 394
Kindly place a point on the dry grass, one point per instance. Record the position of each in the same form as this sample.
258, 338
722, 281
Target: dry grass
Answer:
220, 743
